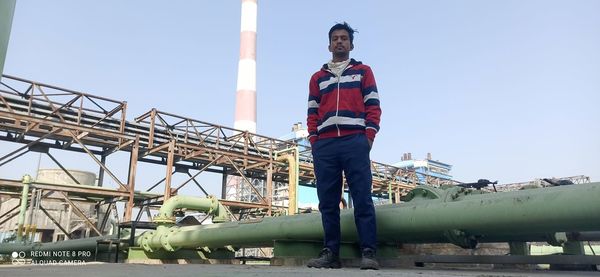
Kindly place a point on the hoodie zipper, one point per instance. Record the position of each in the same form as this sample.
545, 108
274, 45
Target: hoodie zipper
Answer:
337, 104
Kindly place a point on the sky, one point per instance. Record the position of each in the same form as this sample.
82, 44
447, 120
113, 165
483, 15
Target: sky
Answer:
501, 90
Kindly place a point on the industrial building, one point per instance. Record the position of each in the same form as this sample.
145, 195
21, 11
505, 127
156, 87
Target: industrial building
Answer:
426, 167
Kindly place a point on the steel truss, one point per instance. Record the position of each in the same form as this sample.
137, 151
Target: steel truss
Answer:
41, 117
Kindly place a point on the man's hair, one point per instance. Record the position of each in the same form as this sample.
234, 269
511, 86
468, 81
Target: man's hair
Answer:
342, 26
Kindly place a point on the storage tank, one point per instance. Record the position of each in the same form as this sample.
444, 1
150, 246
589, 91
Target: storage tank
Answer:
59, 176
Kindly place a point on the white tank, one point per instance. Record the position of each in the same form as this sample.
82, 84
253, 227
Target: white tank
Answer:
58, 176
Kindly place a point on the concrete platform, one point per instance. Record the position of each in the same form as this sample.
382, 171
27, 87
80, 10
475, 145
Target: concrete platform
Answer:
137, 270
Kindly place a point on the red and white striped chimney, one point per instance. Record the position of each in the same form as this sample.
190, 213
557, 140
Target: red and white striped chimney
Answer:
245, 101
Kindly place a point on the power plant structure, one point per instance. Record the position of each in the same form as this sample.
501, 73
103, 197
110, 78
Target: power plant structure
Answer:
106, 217
33, 117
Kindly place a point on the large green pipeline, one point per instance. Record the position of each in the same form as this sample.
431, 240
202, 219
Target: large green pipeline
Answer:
7, 10
87, 244
165, 219
454, 215
210, 205
23, 209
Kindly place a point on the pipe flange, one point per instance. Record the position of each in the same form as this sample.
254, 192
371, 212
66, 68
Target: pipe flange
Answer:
163, 219
214, 205
220, 219
145, 241
216, 210
164, 239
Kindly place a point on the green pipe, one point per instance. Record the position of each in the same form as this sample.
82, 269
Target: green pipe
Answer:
166, 219
454, 215
87, 244
293, 160
7, 10
209, 205
23, 209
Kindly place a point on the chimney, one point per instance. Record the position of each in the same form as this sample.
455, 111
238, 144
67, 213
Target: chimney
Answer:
245, 100
429, 156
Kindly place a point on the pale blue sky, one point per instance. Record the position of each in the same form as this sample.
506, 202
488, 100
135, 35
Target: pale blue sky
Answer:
503, 90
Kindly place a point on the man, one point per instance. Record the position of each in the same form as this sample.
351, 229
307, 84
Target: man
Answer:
343, 119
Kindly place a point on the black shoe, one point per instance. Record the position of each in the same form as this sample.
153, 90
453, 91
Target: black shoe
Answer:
326, 259
368, 259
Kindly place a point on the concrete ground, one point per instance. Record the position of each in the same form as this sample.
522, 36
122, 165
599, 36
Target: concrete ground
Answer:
135, 270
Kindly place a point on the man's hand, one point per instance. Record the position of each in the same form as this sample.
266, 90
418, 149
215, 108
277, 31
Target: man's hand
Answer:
370, 144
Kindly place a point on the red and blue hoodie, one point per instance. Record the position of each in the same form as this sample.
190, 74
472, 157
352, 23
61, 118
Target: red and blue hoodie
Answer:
345, 105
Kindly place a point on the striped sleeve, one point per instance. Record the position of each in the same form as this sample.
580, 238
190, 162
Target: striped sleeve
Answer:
371, 101
314, 100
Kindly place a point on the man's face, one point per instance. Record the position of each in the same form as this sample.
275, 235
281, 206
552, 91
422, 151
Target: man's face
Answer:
339, 42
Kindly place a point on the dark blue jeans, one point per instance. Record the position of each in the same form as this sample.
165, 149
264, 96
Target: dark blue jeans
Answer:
348, 154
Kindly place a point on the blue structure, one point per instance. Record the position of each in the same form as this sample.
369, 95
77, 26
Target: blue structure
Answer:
306, 195
299, 135
425, 167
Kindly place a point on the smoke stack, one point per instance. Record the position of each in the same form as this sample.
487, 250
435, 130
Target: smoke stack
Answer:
429, 156
245, 100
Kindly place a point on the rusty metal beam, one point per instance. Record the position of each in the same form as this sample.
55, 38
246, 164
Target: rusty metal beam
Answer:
119, 147
10, 216
159, 182
248, 181
105, 219
198, 173
88, 190
11, 210
80, 213
14, 158
98, 162
197, 184
65, 126
55, 222
63, 168
131, 179
159, 148
61, 89
29, 144
6, 104
170, 159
